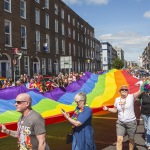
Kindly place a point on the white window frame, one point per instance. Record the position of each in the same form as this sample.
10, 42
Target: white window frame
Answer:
56, 45
63, 28
73, 21
56, 25
68, 18
56, 9
78, 51
7, 2
47, 21
38, 1
24, 37
62, 13
74, 34
37, 41
47, 4
63, 47
26, 65
49, 65
70, 48
37, 16
9, 34
23, 9
43, 66
48, 42
74, 50
69, 32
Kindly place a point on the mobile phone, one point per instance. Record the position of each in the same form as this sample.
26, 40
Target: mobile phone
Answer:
63, 110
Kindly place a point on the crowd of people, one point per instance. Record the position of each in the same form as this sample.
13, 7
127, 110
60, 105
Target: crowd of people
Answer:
42, 83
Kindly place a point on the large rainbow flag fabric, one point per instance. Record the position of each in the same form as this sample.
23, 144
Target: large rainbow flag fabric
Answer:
100, 89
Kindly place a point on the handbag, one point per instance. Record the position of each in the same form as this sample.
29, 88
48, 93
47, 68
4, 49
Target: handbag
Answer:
69, 138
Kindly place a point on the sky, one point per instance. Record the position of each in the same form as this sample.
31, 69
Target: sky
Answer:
122, 23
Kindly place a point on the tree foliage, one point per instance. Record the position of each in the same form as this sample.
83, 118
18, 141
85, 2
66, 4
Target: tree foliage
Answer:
117, 63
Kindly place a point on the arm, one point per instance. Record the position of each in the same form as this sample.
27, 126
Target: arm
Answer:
9, 132
42, 142
72, 121
137, 94
112, 110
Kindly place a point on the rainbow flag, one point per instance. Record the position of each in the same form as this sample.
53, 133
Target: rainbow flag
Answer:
100, 89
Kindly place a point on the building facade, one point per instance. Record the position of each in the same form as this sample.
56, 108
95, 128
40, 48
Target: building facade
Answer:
106, 55
97, 58
43, 36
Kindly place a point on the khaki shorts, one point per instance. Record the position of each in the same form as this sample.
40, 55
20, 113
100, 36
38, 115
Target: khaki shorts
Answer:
126, 127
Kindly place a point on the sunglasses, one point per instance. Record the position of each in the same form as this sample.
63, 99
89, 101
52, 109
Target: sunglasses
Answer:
124, 90
19, 102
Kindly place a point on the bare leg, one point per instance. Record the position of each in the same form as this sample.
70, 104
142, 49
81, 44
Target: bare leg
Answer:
119, 142
131, 144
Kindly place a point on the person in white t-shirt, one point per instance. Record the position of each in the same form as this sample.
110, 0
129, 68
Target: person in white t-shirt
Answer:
126, 122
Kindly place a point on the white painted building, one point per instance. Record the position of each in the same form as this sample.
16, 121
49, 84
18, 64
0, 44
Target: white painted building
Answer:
106, 55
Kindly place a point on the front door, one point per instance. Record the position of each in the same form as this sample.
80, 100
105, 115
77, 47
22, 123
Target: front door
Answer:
3, 69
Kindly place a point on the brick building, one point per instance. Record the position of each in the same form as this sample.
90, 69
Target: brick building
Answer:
43, 36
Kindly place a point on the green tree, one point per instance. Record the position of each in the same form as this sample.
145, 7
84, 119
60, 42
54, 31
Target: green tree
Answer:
117, 63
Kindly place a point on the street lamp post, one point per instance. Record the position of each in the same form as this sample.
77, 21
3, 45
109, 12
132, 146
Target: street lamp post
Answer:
14, 65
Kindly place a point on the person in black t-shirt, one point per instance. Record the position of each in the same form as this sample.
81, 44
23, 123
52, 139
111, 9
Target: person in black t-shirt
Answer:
145, 113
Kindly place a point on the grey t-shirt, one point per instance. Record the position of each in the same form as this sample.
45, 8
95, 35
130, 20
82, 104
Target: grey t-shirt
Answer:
28, 127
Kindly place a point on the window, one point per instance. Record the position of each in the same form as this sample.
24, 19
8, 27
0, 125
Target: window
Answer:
69, 18
38, 1
56, 45
74, 50
79, 51
63, 30
78, 37
7, 5
56, 9
8, 33
69, 32
23, 37
69, 48
49, 65
47, 21
47, 4
48, 42
37, 16
73, 22
62, 13
74, 34
37, 41
43, 66
23, 9
26, 65
56, 25
63, 47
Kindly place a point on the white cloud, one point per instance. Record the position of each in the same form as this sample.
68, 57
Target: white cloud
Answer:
100, 2
97, 1
72, 1
133, 44
147, 14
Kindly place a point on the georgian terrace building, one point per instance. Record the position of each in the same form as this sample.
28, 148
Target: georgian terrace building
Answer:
43, 36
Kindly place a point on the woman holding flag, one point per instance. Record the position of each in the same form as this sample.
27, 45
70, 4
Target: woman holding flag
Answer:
81, 121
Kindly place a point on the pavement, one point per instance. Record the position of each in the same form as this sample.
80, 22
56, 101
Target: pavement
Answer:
105, 133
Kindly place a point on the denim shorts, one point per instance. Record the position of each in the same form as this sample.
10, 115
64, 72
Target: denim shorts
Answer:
126, 127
